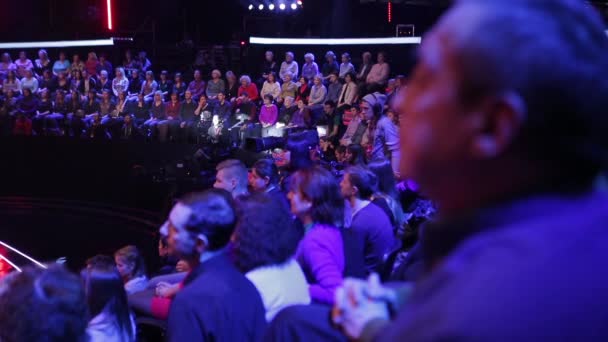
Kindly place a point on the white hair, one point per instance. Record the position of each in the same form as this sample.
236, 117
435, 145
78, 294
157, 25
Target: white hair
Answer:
309, 55
245, 78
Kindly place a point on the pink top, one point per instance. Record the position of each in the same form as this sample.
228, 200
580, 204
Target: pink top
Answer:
378, 74
269, 114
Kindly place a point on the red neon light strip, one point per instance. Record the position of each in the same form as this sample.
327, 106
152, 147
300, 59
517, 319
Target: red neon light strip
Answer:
390, 11
109, 5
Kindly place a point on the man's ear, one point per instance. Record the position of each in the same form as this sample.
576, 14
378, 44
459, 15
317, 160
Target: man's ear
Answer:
496, 123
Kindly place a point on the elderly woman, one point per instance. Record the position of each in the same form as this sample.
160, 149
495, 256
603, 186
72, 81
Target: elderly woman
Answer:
289, 88
346, 66
42, 63
330, 66
310, 69
6, 65
271, 86
23, 64
215, 86
288, 66
318, 93
248, 87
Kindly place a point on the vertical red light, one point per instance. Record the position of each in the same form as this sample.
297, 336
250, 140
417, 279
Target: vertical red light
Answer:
389, 10
109, 6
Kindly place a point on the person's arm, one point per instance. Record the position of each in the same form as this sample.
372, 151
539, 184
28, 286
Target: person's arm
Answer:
350, 97
276, 90
327, 273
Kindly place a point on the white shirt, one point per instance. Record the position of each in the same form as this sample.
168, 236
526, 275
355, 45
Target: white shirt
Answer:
103, 328
280, 286
136, 285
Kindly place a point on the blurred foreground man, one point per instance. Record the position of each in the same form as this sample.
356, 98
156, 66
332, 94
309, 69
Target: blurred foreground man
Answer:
504, 126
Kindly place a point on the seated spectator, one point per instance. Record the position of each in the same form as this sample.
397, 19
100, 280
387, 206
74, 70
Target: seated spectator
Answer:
121, 83
11, 83
43, 305
130, 265
29, 81
269, 66
189, 119
248, 87
269, 114
129, 129
232, 86
23, 64
42, 63
6, 65
355, 155
287, 110
328, 153
204, 110
107, 302
355, 129
27, 104
88, 82
9, 104
310, 69
318, 93
385, 193
174, 121
271, 87
316, 201
264, 246
179, 86
104, 82
47, 82
122, 105
106, 106
149, 86
264, 177
364, 69
334, 89
95, 130
199, 228
246, 111
216, 133
341, 154
289, 66
197, 86
90, 66
130, 64
104, 64
133, 84
146, 65
63, 83
62, 65
75, 112
346, 67
370, 224
301, 117
385, 133
349, 93
77, 64
232, 176
156, 125
330, 66
140, 109
289, 87
335, 125
378, 75
303, 90
90, 105
215, 86
166, 86
45, 106
223, 109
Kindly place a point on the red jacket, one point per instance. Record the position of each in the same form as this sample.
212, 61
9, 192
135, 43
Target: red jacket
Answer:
251, 90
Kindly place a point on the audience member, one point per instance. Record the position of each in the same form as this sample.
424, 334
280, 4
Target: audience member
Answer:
269, 66
264, 246
348, 95
289, 66
216, 85
133, 84
232, 86
119, 83
269, 114
92, 63
149, 86
223, 109
187, 115
310, 69
6, 65
76, 64
23, 64
130, 265
179, 86
264, 177
61, 65
248, 87
303, 90
232, 176
385, 193
165, 85
88, 82
289, 87
157, 118
355, 155
199, 229
318, 93
197, 86
334, 88
330, 66
384, 133
346, 67
379, 72
42, 63
11, 83
271, 87
287, 110
104, 82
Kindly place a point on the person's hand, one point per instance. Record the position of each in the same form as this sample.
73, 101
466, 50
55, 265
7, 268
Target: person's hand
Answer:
163, 289
358, 302
182, 266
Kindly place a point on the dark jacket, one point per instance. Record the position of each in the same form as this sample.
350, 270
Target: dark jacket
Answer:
217, 303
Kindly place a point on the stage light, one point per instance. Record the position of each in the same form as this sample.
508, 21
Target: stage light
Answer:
242, 43
57, 44
109, 6
294, 6
250, 7
335, 41
271, 7
299, 2
282, 7
261, 7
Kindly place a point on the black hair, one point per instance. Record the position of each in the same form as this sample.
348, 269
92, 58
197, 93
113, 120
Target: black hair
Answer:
320, 187
269, 97
212, 214
299, 146
363, 179
43, 305
105, 292
265, 234
330, 103
266, 168
381, 167
358, 155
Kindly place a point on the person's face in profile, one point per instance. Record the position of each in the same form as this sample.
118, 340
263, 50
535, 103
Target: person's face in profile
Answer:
222, 181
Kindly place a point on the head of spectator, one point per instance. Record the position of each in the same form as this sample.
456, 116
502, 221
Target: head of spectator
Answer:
245, 97
288, 101
232, 176
309, 58
506, 128
334, 78
43, 55
372, 106
349, 77
367, 57
202, 100
29, 73
381, 167
200, 223
268, 99
330, 57
135, 75
75, 58
120, 73
22, 56
301, 104
346, 58
130, 263
328, 107
178, 78
272, 78
269, 56
303, 81
315, 197
92, 56
357, 184
381, 58
27, 93
6, 58
289, 57
230, 77
318, 80
264, 175
174, 97
11, 75
128, 120
42, 305
340, 154
245, 81
164, 76
62, 56
103, 75
107, 301
158, 97
149, 76
221, 97
216, 74
197, 75
188, 95
288, 77
355, 155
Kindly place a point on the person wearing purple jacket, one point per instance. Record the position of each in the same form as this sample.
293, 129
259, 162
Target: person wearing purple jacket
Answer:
315, 199
197, 86
269, 114
369, 223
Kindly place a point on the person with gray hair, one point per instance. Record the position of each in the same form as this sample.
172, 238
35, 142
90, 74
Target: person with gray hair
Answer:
310, 68
289, 65
504, 127
215, 86
232, 176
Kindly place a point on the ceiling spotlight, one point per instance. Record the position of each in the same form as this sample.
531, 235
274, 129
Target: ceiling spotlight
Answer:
261, 7
299, 2
271, 7
294, 6
282, 7
250, 7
